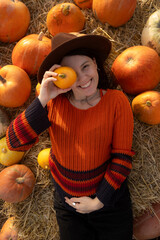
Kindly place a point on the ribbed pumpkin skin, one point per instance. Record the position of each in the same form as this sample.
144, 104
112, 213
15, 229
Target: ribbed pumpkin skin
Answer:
84, 3
65, 17
114, 12
146, 226
15, 86
30, 51
137, 69
150, 35
146, 107
9, 231
16, 183
14, 20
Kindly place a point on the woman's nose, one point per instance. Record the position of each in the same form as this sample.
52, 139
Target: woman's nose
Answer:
81, 77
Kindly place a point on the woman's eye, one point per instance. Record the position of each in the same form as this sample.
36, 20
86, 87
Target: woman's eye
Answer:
85, 66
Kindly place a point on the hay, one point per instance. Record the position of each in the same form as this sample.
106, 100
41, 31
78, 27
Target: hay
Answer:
35, 217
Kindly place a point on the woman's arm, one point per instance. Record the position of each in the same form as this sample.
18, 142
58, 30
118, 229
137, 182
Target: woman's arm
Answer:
23, 131
121, 156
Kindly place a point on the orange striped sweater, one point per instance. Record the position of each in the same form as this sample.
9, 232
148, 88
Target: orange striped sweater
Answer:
91, 149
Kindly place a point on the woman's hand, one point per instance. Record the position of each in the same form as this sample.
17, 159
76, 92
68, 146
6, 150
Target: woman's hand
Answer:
48, 89
84, 204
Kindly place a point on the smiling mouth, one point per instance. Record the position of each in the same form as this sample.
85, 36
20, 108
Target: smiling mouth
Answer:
86, 85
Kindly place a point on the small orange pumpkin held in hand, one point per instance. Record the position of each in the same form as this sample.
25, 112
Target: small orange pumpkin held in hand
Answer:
14, 20
9, 230
65, 17
16, 183
15, 86
65, 78
146, 107
30, 52
84, 3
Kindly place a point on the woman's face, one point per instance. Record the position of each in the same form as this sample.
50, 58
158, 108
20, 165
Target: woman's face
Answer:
87, 75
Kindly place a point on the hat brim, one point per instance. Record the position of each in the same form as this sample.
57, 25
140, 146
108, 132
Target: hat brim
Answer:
101, 46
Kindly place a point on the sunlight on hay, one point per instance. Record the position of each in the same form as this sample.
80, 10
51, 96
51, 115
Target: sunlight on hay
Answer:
35, 217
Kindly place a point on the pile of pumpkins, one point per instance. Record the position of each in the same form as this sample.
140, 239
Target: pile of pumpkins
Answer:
137, 71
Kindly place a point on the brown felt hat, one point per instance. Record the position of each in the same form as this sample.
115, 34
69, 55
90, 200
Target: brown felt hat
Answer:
63, 43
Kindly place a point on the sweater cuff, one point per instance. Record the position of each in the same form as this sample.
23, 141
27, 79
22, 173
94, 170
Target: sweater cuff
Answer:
105, 193
108, 195
37, 117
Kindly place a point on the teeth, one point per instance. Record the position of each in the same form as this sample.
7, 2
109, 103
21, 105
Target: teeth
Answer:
86, 85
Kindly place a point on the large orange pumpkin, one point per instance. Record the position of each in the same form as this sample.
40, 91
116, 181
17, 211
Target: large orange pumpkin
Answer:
137, 69
16, 183
114, 12
15, 86
14, 20
65, 17
9, 230
84, 3
146, 107
30, 52
65, 78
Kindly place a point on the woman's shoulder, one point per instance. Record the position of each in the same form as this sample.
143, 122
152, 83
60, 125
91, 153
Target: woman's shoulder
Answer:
113, 92
115, 96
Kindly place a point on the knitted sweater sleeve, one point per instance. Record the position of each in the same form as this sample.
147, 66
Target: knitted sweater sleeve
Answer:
24, 130
120, 163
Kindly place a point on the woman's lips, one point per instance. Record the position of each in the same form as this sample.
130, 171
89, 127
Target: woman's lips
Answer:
86, 85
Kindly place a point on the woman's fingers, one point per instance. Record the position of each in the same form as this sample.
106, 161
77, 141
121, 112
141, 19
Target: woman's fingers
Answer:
49, 74
54, 67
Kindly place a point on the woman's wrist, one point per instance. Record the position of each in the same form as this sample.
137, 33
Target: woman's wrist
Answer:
97, 203
42, 101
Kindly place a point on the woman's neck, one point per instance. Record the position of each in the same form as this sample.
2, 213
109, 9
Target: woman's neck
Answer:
87, 102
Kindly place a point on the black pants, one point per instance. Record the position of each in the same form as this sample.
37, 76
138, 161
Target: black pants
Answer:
113, 223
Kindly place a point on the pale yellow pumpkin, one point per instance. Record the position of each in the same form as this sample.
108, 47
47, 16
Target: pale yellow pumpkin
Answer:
7, 157
151, 32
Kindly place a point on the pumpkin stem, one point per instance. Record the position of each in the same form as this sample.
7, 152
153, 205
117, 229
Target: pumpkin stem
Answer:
65, 9
130, 60
20, 180
4, 150
62, 75
148, 103
3, 80
40, 36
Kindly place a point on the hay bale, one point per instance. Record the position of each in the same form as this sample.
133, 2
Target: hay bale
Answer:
35, 217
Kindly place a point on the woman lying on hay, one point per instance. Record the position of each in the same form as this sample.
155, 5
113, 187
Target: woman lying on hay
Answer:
91, 127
